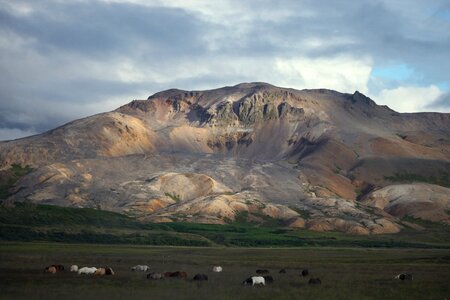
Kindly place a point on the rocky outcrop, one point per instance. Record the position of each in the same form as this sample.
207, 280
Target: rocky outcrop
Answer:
248, 111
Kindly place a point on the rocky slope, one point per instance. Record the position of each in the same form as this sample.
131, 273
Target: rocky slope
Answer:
314, 159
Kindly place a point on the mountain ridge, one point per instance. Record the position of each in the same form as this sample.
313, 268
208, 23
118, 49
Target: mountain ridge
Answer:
263, 150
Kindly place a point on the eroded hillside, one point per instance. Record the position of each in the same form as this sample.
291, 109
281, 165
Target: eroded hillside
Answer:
253, 152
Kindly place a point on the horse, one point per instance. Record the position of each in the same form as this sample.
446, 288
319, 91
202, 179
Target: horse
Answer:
217, 269
254, 280
259, 271
59, 267
167, 274
200, 277
50, 269
87, 270
140, 268
109, 271
155, 276
404, 277
178, 274
73, 268
100, 272
305, 272
282, 271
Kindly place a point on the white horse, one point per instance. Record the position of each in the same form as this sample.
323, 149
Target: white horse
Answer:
217, 269
87, 270
140, 268
74, 268
255, 280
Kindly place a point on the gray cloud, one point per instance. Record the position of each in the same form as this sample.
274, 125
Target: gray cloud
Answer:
98, 29
442, 103
63, 60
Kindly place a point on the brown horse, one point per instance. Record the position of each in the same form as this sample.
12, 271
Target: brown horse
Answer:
58, 267
100, 272
51, 270
109, 271
177, 274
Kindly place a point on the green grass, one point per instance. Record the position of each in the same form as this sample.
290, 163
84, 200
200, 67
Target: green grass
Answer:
442, 180
42, 215
345, 273
28, 222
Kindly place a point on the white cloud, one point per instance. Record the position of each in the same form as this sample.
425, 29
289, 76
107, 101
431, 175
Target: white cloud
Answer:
229, 12
409, 98
47, 79
20, 9
345, 74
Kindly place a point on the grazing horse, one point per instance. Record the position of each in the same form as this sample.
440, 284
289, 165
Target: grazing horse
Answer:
200, 277
155, 276
254, 280
100, 272
177, 274
109, 271
58, 267
403, 277
268, 279
259, 271
314, 281
305, 272
140, 268
51, 270
87, 270
217, 269
282, 271
73, 268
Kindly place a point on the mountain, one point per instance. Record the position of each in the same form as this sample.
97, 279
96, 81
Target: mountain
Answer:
253, 152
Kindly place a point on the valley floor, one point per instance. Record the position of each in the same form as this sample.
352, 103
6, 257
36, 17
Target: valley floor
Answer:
346, 273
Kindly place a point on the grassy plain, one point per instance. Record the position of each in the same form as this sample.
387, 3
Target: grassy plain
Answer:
346, 273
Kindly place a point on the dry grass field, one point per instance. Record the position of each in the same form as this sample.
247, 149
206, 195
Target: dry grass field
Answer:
346, 273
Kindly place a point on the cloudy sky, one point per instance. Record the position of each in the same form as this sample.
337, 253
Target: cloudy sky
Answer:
62, 60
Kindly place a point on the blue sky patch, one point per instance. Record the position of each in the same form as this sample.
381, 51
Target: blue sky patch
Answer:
394, 72
444, 86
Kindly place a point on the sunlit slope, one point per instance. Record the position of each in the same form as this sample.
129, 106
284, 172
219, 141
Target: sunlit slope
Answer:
308, 158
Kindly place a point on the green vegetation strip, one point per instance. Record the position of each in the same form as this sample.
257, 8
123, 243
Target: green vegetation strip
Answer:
29, 222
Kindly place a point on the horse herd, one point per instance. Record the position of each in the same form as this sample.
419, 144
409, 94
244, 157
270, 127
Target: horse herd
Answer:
84, 270
261, 278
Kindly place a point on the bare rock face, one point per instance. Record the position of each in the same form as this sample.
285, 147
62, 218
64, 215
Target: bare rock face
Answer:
425, 201
314, 159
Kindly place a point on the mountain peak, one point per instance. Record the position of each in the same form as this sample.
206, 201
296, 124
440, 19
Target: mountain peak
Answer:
205, 156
